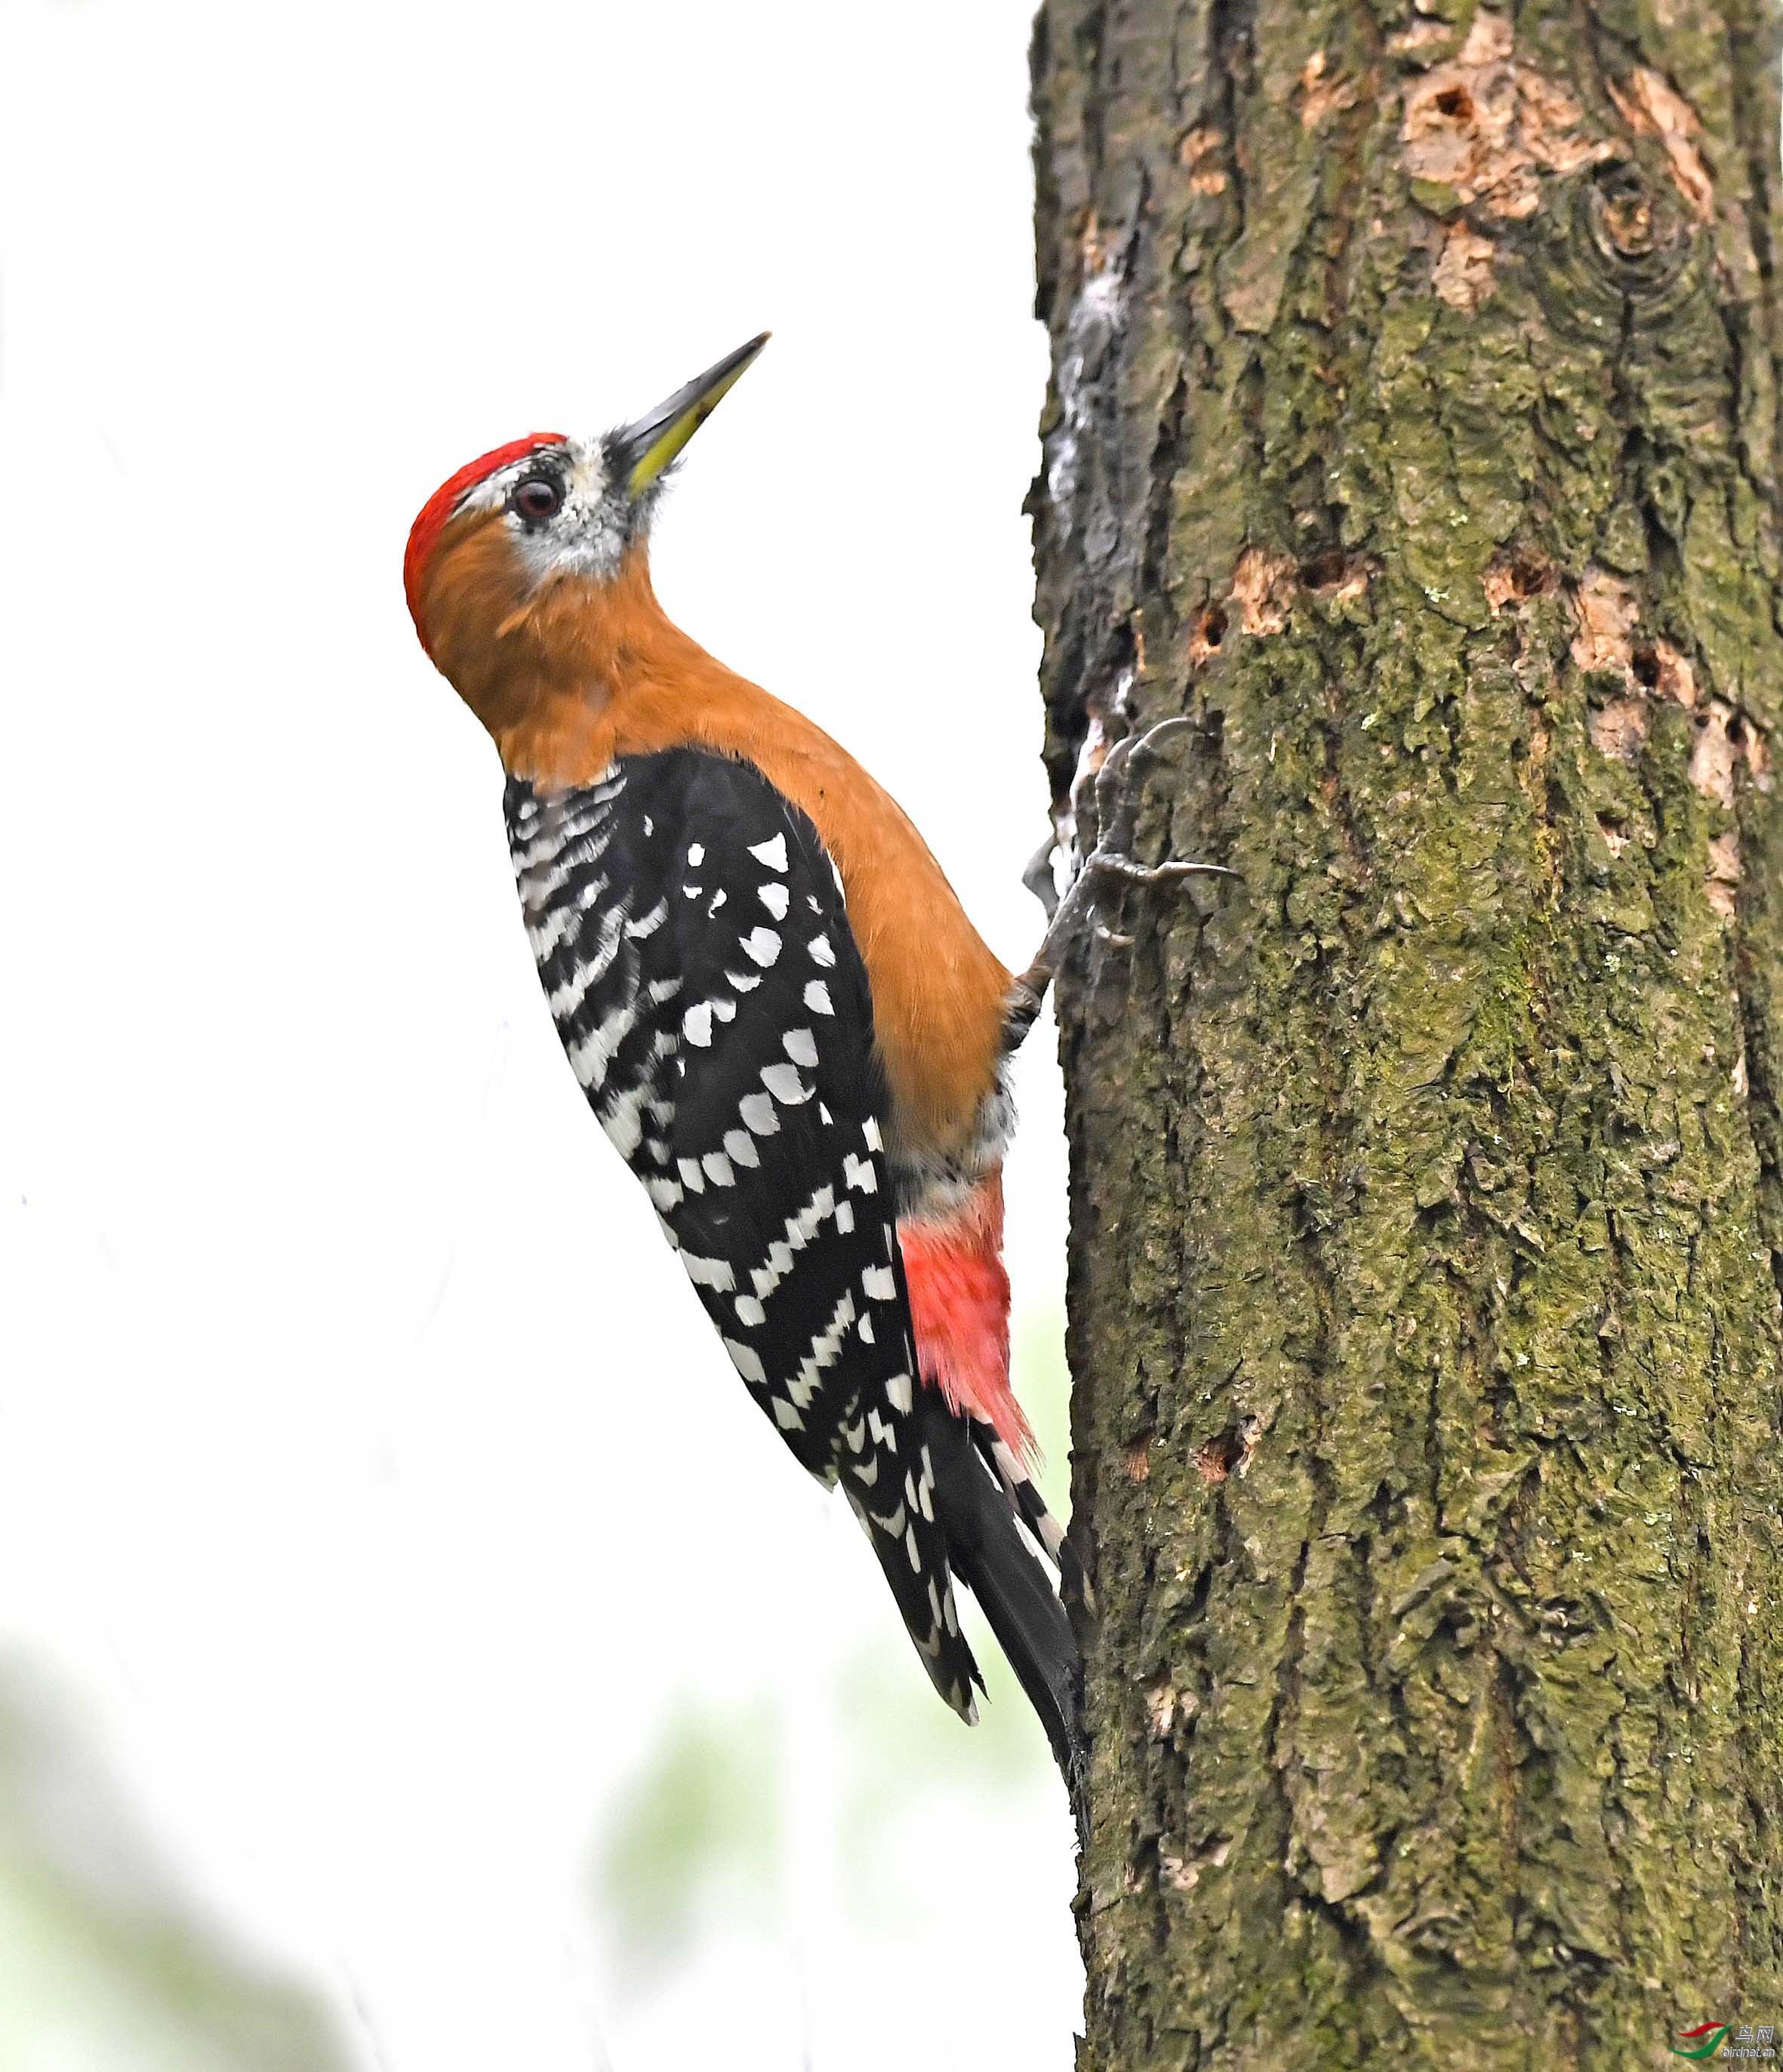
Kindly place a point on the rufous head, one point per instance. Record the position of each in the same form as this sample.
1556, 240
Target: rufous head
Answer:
540, 513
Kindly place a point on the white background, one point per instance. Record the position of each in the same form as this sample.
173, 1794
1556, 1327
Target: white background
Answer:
367, 1471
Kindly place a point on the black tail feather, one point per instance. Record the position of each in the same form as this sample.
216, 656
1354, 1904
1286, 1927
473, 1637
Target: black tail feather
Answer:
1029, 1505
924, 1596
993, 1559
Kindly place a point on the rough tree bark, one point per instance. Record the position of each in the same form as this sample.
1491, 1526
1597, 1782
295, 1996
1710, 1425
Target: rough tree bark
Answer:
1413, 431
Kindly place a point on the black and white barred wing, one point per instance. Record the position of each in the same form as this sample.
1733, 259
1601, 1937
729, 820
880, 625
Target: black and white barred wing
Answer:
693, 939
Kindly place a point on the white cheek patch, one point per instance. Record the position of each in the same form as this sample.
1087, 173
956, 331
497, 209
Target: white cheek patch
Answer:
588, 536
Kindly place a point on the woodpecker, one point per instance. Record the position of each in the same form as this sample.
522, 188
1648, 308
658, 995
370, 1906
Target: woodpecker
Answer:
780, 1016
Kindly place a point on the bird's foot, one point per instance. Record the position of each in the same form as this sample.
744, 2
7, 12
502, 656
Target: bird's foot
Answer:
1107, 859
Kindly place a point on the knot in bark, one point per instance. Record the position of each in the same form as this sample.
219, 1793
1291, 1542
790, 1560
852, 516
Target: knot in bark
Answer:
1637, 234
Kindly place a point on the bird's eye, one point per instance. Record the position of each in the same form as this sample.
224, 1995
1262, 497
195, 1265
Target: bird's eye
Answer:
537, 498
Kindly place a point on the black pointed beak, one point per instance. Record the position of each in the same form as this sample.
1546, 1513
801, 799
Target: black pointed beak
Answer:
638, 455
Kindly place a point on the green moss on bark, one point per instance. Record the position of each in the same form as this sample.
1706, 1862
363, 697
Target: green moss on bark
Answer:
1413, 431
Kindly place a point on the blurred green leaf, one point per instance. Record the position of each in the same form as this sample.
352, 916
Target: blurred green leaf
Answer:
104, 1966
702, 1827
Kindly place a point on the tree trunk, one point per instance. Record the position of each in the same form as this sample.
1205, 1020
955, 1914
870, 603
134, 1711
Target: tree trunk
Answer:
1414, 433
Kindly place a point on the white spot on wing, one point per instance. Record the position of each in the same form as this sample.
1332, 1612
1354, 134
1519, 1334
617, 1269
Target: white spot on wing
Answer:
746, 1360
758, 1112
824, 1349
801, 1046
566, 998
773, 853
800, 1229
647, 924
761, 945
925, 1491
589, 1058
817, 998
623, 1120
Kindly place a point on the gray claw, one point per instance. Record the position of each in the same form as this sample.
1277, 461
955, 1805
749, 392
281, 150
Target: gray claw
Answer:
1113, 864
1036, 874
1112, 794
1105, 857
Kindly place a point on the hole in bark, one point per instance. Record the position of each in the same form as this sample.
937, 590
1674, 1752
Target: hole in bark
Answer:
1205, 634
1645, 664
1326, 573
1455, 101
1218, 1458
1516, 578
